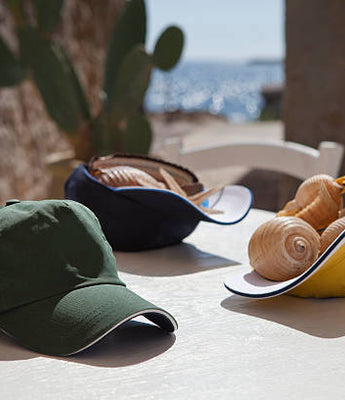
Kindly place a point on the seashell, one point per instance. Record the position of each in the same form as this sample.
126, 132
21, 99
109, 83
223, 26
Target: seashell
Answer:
171, 182
184, 177
210, 210
283, 248
309, 189
151, 174
200, 197
125, 176
290, 209
318, 201
323, 210
331, 233
136, 219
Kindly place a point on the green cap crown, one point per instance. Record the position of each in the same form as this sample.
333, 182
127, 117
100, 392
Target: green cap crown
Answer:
50, 247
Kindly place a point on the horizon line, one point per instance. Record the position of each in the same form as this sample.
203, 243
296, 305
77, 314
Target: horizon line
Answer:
247, 60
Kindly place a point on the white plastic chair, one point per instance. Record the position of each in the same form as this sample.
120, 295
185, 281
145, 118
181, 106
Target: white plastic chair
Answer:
291, 158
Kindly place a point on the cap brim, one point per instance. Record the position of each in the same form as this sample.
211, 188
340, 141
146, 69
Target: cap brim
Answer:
234, 202
68, 323
244, 281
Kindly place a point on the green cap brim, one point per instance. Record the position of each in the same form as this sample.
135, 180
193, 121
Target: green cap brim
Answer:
68, 323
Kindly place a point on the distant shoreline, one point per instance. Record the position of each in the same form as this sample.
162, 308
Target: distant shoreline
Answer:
250, 61
265, 61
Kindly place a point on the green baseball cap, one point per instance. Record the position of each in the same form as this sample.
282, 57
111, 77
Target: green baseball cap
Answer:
59, 287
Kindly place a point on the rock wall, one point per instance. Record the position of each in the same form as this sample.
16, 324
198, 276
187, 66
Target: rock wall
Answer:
27, 135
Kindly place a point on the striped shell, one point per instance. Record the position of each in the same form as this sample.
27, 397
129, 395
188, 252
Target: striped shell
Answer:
186, 179
126, 176
123, 175
331, 233
318, 201
309, 189
283, 248
324, 209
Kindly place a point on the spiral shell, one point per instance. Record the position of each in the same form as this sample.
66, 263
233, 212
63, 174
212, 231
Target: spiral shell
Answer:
283, 248
331, 233
318, 201
309, 189
126, 176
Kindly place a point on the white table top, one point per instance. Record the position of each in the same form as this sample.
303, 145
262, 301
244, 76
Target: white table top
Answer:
226, 347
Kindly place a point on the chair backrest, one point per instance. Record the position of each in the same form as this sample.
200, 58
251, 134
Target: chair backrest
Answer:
291, 158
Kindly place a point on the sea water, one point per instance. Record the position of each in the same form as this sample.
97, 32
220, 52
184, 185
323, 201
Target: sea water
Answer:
229, 89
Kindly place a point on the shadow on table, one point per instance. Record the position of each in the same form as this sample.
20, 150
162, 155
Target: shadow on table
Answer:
324, 318
10, 350
130, 344
175, 260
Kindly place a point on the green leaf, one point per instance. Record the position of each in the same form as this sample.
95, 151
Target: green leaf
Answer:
129, 30
48, 14
131, 83
52, 78
79, 90
103, 138
10, 70
168, 48
137, 137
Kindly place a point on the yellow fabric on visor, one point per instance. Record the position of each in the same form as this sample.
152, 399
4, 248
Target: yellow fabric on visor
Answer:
327, 281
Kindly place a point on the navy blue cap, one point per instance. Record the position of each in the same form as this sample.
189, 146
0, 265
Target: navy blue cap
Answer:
138, 218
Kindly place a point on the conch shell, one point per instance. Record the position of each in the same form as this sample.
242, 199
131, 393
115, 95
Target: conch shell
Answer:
283, 248
318, 201
331, 233
309, 189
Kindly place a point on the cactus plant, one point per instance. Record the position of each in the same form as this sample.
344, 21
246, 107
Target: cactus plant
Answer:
48, 14
52, 78
10, 69
129, 31
121, 125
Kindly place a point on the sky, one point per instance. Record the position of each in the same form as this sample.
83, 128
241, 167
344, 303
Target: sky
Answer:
222, 30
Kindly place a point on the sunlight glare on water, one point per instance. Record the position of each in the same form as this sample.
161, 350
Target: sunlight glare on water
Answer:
232, 90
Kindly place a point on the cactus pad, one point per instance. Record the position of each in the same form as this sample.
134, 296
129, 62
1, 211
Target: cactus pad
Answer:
168, 48
129, 31
138, 135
